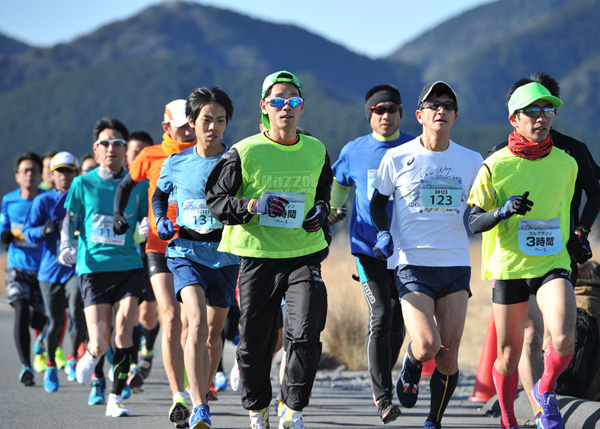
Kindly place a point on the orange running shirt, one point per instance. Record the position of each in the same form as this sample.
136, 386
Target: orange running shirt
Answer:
147, 167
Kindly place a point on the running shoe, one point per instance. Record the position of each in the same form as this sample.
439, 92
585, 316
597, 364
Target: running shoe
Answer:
213, 394
135, 380
200, 418
39, 362
291, 419
431, 425
70, 369
98, 393
279, 405
179, 413
388, 412
220, 381
115, 407
85, 368
51, 383
550, 417
145, 362
407, 386
126, 392
259, 419
234, 378
26, 376
38, 346
60, 358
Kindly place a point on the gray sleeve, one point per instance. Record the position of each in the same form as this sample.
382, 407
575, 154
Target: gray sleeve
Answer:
67, 230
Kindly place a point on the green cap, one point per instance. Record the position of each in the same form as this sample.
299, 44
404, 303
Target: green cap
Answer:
281, 76
527, 94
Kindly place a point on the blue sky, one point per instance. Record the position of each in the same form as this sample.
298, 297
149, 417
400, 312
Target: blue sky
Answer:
370, 28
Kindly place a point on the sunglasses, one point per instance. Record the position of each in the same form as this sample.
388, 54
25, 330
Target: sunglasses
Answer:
435, 105
382, 110
113, 142
278, 102
536, 112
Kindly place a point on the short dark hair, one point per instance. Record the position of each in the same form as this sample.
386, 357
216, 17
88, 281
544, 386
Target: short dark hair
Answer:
542, 78
111, 124
202, 96
28, 156
87, 156
141, 136
50, 154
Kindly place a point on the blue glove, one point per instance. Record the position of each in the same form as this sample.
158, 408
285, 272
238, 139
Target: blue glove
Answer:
315, 219
166, 231
272, 205
385, 246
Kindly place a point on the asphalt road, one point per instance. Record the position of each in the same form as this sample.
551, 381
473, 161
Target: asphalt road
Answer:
340, 399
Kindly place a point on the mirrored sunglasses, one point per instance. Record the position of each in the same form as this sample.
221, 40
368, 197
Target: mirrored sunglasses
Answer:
381, 110
278, 102
536, 112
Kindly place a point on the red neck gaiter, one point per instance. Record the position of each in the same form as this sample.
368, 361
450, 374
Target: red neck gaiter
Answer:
520, 146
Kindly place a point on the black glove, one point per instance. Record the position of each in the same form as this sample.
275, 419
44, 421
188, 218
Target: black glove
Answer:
578, 245
6, 237
336, 215
272, 205
50, 227
120, 224
315, 218
515, 205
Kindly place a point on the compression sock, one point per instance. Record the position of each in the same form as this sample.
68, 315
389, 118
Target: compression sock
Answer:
442, 388
506, 388
121, 364
554, 365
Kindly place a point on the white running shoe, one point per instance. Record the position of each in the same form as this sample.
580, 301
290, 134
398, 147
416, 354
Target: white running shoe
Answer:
234, 378
115, 407
85, 368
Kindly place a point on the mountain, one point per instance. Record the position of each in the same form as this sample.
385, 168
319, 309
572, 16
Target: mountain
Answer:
495, 44
130, 69
9, 46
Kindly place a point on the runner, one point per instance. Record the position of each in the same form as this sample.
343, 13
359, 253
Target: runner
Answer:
357, 165
59, 284
531, 364
429, 178
521, 203
177, 137
109, 265
204, 277
22, 287
271, 191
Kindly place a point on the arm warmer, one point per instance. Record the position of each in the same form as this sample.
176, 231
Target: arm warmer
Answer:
123, 193
481, 221
378, 208
160, 203
339, 194
67, 231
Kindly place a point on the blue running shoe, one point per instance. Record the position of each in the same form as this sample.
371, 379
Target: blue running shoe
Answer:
51, 379
38, 346
126, 392
220, 381
70, 369
26, 376
407, 386
200, 418
550, 417
431, 425
98, 393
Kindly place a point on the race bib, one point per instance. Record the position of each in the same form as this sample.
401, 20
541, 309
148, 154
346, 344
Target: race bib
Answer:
294, 211
441, 196
540, 237
195, 215
102, 231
